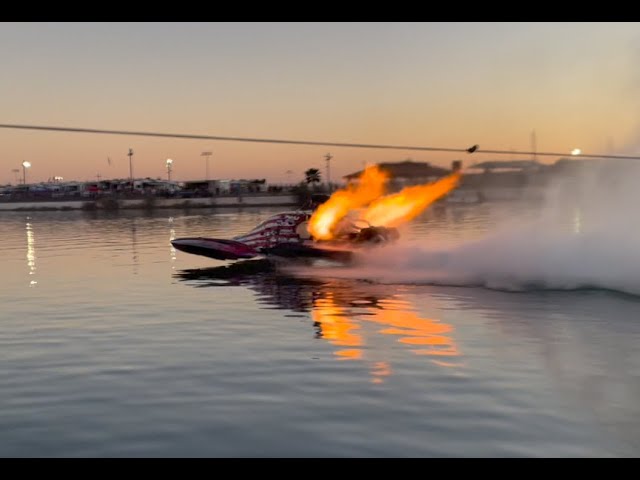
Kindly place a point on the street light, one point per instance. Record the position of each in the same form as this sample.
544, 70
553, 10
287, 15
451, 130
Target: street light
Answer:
130, 155
328, 158
25, 165
576, 151
169, 165
15, 172
207, 155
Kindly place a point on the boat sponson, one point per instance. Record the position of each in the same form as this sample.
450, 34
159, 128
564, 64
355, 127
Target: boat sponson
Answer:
220, 249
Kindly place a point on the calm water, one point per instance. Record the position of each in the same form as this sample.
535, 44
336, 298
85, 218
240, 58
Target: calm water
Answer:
114, 344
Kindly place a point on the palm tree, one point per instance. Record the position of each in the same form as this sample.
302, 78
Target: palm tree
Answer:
312, 176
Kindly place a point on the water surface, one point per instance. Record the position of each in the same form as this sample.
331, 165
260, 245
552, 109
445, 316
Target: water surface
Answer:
114, 344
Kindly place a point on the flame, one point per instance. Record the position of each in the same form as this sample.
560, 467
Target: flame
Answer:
370, 186
397, 208
387, 211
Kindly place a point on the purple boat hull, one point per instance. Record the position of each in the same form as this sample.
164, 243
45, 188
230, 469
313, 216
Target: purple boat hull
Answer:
220, 249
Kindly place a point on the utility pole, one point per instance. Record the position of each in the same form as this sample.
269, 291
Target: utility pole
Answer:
328, 158
207, 155
130, 154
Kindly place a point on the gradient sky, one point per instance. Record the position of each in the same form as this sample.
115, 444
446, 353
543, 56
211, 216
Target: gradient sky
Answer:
428, 84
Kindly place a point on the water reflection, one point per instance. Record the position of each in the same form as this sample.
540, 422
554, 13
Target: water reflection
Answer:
356, 318
31, 252
134, 244
172, 249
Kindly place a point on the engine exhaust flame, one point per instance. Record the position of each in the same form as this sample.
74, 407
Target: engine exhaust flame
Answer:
393, 210
370, 187
378, 210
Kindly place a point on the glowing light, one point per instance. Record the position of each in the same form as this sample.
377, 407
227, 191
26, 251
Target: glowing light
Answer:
25, 165
576, 151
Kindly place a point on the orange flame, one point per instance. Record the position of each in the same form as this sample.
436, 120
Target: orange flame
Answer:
388, 211
392, 210
326, 217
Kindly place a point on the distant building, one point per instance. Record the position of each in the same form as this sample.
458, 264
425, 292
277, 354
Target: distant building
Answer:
225, 187
496, 166
502, 179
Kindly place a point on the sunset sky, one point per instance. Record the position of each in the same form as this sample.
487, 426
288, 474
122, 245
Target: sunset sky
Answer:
424, 84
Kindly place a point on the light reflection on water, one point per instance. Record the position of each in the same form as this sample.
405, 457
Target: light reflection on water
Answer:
172, 236
346, 314
31, 253
123, 350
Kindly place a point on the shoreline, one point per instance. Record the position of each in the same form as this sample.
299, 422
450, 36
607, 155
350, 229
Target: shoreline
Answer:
150, 203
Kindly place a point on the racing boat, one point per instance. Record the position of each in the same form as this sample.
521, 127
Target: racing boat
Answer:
285, 235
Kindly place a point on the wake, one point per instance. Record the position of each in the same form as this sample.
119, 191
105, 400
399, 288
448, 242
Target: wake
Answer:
587, 236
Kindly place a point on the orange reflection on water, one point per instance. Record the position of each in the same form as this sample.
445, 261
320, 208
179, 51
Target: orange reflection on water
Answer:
341, 320
379, 371
336, 327
414, 330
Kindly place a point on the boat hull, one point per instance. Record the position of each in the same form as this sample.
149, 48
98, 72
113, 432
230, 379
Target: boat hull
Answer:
220, 249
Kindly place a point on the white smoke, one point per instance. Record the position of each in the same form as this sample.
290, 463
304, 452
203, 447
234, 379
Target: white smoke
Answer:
587, 235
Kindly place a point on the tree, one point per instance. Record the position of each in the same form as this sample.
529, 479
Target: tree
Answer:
312, 176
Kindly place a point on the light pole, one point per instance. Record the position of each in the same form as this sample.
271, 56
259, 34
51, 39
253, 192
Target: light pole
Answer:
130, 154
328, 158
25, 165
207, 155
16, 171
169, 166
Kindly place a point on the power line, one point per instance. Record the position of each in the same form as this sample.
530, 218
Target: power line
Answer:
473, 149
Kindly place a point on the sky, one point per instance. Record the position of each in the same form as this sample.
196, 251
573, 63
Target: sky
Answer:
424, 84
